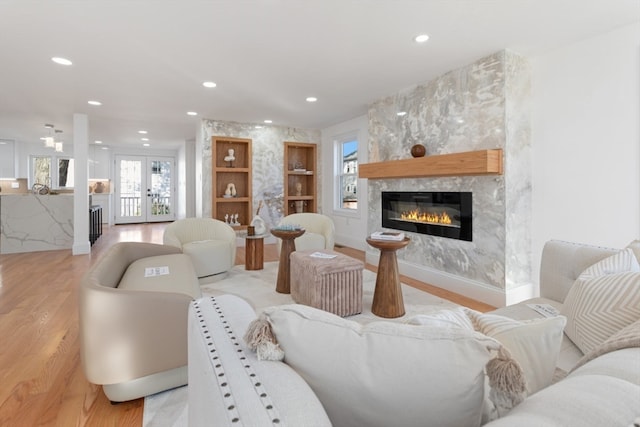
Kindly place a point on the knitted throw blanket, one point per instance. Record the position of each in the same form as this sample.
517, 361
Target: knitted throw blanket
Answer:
625, 338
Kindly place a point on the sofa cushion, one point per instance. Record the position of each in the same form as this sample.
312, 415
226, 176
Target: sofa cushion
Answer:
534, 343
598, 307
175, 274
582, 400
431, 376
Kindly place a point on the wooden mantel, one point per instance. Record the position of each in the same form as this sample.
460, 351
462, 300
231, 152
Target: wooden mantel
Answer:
482, 162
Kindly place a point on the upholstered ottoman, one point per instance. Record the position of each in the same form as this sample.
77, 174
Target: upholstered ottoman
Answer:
331, 284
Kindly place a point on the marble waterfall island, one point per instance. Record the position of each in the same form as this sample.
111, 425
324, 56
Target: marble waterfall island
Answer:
31, 223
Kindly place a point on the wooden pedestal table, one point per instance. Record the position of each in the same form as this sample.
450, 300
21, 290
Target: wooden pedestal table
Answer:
254, 252
283, 284
387, 297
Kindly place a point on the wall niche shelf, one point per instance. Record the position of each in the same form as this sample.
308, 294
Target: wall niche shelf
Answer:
238, 173
482, 162
300, 173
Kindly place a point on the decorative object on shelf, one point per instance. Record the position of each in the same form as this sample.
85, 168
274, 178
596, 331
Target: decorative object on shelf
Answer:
258, 223
234, 220
299, 206
298, 189
99, 188
418, 150
226, 218
299, 167
230, 157
230, 190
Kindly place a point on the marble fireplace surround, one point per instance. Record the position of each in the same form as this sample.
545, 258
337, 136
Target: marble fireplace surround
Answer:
481, 107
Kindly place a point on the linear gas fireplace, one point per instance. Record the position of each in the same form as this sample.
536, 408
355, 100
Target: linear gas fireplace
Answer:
438, 213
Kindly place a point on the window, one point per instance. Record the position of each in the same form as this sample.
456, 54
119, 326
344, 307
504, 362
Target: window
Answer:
65, 173
42, 171
348, 174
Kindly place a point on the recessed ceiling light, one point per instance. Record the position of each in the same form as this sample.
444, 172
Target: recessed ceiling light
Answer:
98, 142
192, 113
144, 139
421, 38
268, 121
209, 84
142, 132
312, 99
258, 127
146, 144
104, 148
96, 103
401, 113
61, 61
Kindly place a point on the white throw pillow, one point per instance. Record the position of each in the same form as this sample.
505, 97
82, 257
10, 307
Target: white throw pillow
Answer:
535, 344
598, 307
385, 373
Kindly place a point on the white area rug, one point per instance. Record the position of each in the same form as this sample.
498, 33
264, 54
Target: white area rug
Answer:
169, 409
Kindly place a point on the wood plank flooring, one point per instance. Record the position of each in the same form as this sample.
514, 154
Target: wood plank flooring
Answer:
41, 378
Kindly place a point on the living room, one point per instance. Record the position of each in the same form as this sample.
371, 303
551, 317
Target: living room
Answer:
584, 106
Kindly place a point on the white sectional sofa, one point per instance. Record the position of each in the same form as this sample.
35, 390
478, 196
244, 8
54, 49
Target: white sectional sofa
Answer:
605, 389
228, 385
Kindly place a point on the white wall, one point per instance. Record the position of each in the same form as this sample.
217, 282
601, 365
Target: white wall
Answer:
351, 227
586, 142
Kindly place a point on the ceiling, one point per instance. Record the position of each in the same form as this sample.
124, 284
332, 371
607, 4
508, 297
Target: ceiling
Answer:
146, 60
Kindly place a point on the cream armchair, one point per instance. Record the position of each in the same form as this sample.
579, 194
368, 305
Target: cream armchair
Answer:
210, 243
319, 231
133, 326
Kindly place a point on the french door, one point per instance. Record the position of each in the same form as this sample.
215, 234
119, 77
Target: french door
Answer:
144, 189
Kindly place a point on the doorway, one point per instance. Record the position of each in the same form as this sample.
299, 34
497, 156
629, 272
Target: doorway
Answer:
144, 189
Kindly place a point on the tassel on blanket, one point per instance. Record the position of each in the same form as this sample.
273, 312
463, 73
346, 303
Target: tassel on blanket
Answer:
260, 338
507, 381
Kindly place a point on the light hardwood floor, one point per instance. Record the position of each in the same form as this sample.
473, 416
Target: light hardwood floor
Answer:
41, 378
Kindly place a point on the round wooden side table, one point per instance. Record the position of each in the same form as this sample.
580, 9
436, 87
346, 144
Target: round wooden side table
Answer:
283, 284
387, 297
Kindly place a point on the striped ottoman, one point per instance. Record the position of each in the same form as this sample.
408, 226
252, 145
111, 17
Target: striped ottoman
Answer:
331, 284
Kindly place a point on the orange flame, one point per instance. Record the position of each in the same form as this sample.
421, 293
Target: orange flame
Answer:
431, 217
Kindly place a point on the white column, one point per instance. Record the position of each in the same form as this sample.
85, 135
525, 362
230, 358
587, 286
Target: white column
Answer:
81, 243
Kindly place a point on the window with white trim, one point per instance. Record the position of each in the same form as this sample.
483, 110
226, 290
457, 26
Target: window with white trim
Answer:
347, 168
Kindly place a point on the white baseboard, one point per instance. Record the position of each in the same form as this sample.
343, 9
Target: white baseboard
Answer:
351, 242
81, 248
460, 285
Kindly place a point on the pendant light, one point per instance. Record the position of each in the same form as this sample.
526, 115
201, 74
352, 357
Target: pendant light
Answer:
58, 144
49, 141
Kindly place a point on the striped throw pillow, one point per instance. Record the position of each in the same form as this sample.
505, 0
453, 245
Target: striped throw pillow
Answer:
598, 307
535, 343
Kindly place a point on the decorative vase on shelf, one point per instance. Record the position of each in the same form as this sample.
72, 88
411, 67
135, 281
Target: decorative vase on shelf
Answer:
418, 150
